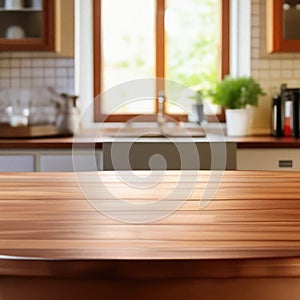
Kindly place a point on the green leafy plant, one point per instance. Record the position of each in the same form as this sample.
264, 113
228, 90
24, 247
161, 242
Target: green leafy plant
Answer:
234, 93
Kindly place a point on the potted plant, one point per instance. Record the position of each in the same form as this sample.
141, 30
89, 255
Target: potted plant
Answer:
197, 107
236, 95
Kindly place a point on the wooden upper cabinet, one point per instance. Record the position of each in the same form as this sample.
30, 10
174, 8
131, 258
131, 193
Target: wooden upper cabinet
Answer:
64, 27
28, 27
283, 23
39, 25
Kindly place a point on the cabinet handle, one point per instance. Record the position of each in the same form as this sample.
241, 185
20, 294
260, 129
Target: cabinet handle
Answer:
285, 163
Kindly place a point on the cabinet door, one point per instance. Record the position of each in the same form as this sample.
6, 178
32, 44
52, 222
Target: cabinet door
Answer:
64, 163
64, 27
16, 163
268, 159
29, 27
169, 156
283, 21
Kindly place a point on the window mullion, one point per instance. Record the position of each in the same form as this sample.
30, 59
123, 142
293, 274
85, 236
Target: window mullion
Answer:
160, 46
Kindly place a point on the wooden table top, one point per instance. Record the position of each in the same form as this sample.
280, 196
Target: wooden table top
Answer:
254, 218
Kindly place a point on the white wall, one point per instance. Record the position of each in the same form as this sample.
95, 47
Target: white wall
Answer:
84, 59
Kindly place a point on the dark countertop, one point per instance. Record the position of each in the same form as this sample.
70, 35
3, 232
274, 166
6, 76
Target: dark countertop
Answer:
213, 134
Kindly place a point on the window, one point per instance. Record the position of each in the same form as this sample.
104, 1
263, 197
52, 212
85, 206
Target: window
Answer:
170, 39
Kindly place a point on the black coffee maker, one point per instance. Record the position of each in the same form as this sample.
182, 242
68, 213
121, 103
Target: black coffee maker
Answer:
285, 112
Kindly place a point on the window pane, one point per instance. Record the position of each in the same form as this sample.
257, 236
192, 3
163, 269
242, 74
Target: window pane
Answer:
128, 50
192, 43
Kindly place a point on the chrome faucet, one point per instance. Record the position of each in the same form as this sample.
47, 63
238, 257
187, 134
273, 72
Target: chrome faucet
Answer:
161, 119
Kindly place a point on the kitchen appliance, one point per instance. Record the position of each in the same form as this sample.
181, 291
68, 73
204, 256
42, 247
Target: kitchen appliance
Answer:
286, 112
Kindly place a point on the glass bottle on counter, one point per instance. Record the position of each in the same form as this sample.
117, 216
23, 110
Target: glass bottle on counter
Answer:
277, 116
290, 107
277, 112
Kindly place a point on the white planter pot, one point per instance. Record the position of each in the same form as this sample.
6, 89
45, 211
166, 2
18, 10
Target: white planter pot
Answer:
238, 121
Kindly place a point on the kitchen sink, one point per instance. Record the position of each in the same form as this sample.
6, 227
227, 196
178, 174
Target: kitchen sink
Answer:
170, 129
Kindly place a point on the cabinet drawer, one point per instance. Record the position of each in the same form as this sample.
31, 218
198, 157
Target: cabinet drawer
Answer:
64, 163
16, 163
268, 159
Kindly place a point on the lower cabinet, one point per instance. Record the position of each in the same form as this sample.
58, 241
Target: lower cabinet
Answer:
64, 163
122, 155
48, 161
268, 159
17, 163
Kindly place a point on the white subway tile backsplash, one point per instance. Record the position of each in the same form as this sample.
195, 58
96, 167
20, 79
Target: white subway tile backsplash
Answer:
255, 32
15, 72
71, 73
19, 54
38, 72
255, 42
255, 20
50, 62
287, 74
38, 82
26, 72
264, 74
71, 86
15, 63
254, 74
275, 74
263, 64
15, 82
4, 82
25, 63
26, 83
255, 53
297, 74
62, 72
42, 55
50, 81
294, 83
5, 73
297, 64
63, 63
49, 72
4, 63
61, 82
38, 62
275, 64
36, 69
255, 64
5, 54
255, 9
288, 64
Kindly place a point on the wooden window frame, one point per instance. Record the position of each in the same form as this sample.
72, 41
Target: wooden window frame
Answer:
160, 63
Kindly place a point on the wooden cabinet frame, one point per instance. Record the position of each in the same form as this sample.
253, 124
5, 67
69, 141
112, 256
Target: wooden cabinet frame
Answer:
275, 39
45, 43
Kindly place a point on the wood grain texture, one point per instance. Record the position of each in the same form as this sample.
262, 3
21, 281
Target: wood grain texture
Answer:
251, 228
